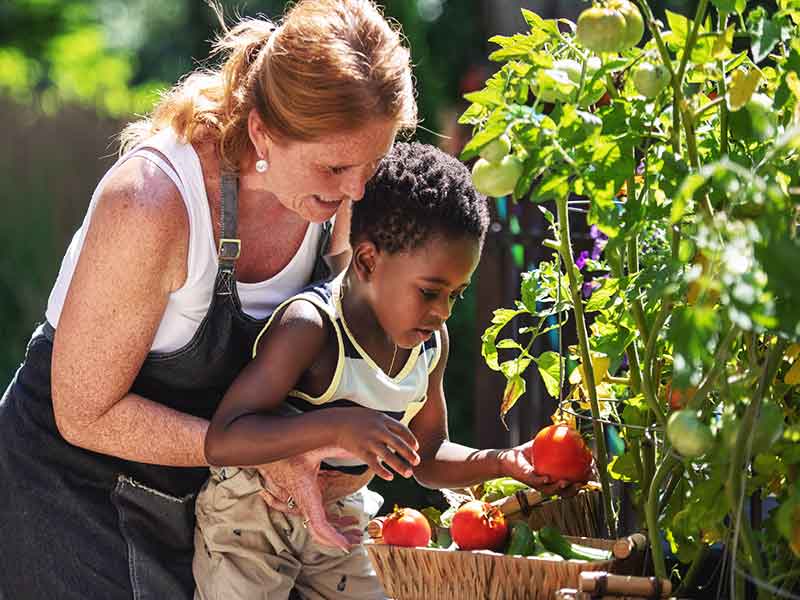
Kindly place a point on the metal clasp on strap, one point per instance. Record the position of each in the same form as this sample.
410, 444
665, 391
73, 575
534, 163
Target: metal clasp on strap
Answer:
230, 249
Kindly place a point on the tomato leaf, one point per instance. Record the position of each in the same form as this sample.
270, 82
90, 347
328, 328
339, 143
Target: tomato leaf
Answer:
515, 387
551, 367
741, 88
764, 34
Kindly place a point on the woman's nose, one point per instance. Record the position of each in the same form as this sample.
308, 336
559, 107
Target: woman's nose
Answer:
353, 186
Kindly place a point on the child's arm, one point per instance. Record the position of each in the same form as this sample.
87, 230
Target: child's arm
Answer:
243, 433
447, 465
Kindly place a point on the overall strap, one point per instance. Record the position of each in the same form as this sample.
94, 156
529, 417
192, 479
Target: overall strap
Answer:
230, 246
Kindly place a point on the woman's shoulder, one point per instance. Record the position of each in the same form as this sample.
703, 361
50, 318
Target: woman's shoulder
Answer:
142, 205
140, 190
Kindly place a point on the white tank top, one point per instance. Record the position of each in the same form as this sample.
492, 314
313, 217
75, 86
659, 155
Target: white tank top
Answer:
357, 380
188, 305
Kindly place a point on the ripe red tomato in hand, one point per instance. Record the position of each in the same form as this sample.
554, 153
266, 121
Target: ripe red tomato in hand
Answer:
561, 453
479, 526
406, 527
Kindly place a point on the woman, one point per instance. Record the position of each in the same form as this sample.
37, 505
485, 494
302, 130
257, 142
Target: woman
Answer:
218, 210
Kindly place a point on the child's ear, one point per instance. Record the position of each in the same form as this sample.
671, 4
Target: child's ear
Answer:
365, 257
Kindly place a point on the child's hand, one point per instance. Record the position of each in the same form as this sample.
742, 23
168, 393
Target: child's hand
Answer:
376, 439
514, 463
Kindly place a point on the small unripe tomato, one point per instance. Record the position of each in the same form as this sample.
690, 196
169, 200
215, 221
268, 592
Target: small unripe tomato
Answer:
688, 434
649, 79
495, 150
634, 24
601, 29
497, 179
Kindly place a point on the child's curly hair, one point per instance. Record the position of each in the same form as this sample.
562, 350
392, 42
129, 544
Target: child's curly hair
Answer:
418, 192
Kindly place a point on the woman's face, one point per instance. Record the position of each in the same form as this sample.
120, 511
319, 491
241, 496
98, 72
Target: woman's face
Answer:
314, 178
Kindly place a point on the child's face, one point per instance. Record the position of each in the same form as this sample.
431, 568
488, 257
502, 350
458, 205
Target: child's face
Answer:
414, 291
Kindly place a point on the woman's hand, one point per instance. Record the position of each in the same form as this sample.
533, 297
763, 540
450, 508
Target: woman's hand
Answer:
292, 486
376, 439
514, 463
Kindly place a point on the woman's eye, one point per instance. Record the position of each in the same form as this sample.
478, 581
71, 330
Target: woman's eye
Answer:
429, 294
337, 170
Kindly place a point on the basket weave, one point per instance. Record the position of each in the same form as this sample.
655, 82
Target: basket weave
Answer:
579, 516
436, 574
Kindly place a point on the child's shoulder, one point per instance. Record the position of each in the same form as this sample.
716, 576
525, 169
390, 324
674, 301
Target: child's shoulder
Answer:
306, 318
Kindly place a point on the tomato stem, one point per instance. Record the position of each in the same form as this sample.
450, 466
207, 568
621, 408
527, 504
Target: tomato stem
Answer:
588, 371
651, 513
741, 455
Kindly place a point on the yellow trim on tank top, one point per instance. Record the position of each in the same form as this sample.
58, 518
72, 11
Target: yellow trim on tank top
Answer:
412, 357
337, 374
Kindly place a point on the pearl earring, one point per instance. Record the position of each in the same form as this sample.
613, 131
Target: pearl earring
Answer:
261, 165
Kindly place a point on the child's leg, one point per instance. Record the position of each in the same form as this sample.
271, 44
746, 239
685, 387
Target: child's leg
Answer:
243, 549
329, 573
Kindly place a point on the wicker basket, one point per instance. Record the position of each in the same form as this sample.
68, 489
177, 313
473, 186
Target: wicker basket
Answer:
579, 516
432, 573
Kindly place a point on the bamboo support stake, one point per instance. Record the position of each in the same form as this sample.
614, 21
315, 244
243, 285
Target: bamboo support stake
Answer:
600, 582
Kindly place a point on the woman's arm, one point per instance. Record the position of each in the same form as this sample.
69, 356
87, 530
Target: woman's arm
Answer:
243, 432
134, 255
447, 465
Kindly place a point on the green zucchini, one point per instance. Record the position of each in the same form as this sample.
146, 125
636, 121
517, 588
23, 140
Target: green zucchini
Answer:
523, 540
553, 541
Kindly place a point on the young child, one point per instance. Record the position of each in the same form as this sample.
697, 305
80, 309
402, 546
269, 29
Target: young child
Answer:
355, 366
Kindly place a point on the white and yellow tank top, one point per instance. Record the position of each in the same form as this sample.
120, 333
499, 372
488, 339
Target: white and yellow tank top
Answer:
357, 380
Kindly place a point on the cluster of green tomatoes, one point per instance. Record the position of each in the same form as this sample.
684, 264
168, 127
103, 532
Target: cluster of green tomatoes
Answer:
615, 26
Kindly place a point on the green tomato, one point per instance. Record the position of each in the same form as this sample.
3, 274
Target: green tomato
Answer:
495, 150
601, 29
497, 179
634, 24
649, 79
688, 434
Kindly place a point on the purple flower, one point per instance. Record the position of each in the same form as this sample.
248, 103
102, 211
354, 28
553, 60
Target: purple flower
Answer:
600, 241
595, 233
589, 287
580, 262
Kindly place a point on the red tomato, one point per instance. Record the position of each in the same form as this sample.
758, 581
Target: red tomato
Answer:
678, 398
560, 452
479, 526
406, 527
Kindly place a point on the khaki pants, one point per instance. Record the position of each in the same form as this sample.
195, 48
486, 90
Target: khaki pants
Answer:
244, 549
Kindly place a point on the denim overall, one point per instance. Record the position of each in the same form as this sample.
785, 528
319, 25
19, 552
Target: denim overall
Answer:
75, 524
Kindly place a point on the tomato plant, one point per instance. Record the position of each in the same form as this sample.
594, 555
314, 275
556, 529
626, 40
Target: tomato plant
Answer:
406, 527
689, 168
478, 525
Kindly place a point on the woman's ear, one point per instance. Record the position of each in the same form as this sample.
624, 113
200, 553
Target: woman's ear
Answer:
365, 258
258, 134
